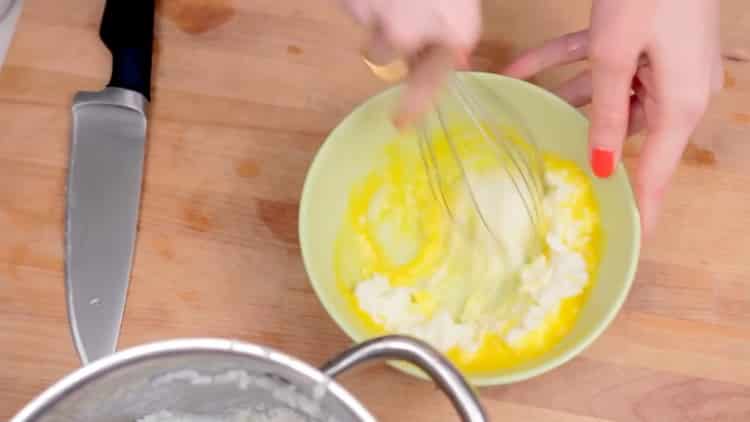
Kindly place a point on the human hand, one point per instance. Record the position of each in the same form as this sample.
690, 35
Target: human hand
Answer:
433, 36
654, 66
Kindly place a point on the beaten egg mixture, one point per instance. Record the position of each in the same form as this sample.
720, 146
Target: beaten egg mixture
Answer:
408, 266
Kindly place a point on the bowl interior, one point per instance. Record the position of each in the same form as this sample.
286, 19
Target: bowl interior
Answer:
355, 147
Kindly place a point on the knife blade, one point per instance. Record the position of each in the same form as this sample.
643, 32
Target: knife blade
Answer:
104, 181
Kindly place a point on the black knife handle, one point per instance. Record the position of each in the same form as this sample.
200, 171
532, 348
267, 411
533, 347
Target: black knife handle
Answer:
128, 32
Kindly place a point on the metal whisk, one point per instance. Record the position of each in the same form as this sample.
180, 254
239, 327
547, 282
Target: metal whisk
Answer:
489, 122
493, 228
487, 174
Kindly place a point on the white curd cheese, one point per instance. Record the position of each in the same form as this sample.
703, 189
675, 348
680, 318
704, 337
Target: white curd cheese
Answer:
544, 282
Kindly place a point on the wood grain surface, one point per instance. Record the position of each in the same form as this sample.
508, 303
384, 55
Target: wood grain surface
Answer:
245, 92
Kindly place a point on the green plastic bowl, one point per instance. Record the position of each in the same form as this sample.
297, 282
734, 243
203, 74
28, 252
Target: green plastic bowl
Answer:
350, 153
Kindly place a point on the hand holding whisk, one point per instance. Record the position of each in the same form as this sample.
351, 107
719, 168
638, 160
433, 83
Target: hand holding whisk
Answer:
485, 171
489, 130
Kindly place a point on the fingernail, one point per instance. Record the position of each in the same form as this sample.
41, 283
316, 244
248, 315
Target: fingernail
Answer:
602, 162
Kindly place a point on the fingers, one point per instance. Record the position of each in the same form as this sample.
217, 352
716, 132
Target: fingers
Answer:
637, 116
566, 49
676, 105
411, 28
383, 60
611, 78
379, 50
458, 29
404, 28
434, 40
425, 73
576, 91
425, 78
659, 158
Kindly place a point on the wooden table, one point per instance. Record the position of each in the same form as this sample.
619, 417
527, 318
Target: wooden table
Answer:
245, 92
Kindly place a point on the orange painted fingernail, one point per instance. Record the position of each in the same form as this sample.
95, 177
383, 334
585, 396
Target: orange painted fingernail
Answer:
602, 162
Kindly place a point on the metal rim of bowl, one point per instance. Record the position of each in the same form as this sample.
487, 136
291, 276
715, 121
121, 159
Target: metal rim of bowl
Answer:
480, 381
87, 374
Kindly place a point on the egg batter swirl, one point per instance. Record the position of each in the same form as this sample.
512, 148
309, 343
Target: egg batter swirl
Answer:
404, 267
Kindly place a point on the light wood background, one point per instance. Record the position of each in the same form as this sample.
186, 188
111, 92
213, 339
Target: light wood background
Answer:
245, 91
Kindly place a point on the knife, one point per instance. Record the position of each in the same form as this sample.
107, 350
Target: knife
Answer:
104, 181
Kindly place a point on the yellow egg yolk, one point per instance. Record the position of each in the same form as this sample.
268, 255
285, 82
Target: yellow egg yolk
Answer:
395, 227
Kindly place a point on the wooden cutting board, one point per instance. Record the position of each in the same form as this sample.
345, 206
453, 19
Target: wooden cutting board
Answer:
245, 92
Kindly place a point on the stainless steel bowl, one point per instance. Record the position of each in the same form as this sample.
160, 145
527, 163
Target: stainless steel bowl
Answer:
211, 376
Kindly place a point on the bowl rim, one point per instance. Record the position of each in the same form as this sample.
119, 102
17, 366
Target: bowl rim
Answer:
476, 380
